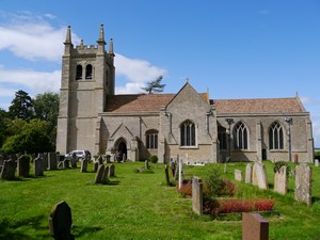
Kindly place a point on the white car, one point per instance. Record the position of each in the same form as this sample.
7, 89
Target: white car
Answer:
84, 154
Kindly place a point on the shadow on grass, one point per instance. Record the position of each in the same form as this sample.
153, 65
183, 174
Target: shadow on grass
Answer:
315, 199
79, 231
10, 230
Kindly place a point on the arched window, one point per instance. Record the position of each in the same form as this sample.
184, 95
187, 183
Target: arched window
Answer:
152, 139
187, 133
79, 72
89, 71
222, 136
275, 136
240, 135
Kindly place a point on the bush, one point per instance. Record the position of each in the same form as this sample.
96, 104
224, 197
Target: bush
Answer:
153, 159
216, 186
280, 164
216, 207
186, 188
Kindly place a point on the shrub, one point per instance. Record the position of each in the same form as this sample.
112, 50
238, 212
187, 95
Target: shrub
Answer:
216, 207
186, 188
216, 186
279, 164
153, 159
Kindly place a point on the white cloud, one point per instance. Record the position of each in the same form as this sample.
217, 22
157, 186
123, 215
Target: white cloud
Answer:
32, 37
36, 81
136, 71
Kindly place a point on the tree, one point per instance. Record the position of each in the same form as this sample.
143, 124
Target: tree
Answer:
154, 86
31, 138
3, 125
46, 107
21, 106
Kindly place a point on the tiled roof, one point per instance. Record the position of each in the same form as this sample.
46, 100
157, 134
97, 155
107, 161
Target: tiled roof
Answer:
137, 102
258, 105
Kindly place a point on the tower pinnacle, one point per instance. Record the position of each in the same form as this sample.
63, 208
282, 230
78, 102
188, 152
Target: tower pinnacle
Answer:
111, 52
68, 36
101, 36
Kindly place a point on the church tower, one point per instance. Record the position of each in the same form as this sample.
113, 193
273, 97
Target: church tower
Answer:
88, 77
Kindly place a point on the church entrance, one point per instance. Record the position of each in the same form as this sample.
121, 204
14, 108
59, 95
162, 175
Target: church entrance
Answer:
121, 150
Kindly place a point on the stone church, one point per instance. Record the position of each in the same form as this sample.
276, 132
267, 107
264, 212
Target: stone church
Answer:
187, 123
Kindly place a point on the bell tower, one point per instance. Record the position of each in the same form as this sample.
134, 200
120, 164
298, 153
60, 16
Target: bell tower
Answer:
88, 76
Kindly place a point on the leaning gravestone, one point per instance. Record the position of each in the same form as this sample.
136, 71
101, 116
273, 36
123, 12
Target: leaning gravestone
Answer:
281, 181
23, 166
254, 227
52, 161
8, 170
60, 222
197, 196
259, 176
99, 174
303, 184
112, 170
238, 175
105, 175
38, 167
84, 165
248, 177
166, 171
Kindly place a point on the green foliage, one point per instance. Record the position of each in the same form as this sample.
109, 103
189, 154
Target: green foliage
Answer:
30, 137
21, 106
154, 86
317, 154
153, 159
279, 164
4, 120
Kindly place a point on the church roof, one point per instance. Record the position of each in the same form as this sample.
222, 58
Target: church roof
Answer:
155, 102
258, 105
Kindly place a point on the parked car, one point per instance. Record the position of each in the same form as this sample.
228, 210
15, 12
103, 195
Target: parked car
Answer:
84, 154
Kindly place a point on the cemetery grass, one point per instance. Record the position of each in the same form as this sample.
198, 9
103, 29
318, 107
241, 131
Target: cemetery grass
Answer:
141, 206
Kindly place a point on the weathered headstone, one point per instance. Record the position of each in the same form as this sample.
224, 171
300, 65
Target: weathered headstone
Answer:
38, 167
23, 166
74, 161
281, 181
180, 173
166, 172
176, 173
60, 222
303, 184
238, 175
100, 160
259, 176
84, 165
99, 174
316, 162
8, 170
197, 196
112, 170
254, 227
95, 166
146, 164
105, 175
52, 161
248, 177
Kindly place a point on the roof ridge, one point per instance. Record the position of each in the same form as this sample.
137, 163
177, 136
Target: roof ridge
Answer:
261, 98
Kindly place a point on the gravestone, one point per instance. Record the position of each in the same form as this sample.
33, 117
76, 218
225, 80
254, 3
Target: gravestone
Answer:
303, 184
316, 162
146, 164
248, 177
23, 166
180, 173
100, 160
95, 167
197, 196
166, 172
60, 222
281, 181
38, 167
84, 165
52, 161
254, 227
44, 158
105, 175
74, 161
8, 170
112, 170
259, 176
99, 174
238, 175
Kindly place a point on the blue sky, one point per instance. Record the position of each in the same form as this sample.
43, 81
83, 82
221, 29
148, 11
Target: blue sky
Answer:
237, 49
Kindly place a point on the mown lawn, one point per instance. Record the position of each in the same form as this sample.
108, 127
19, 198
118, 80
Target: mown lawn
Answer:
140, 206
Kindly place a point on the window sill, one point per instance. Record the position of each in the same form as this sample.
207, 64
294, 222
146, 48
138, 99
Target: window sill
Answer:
189, 147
